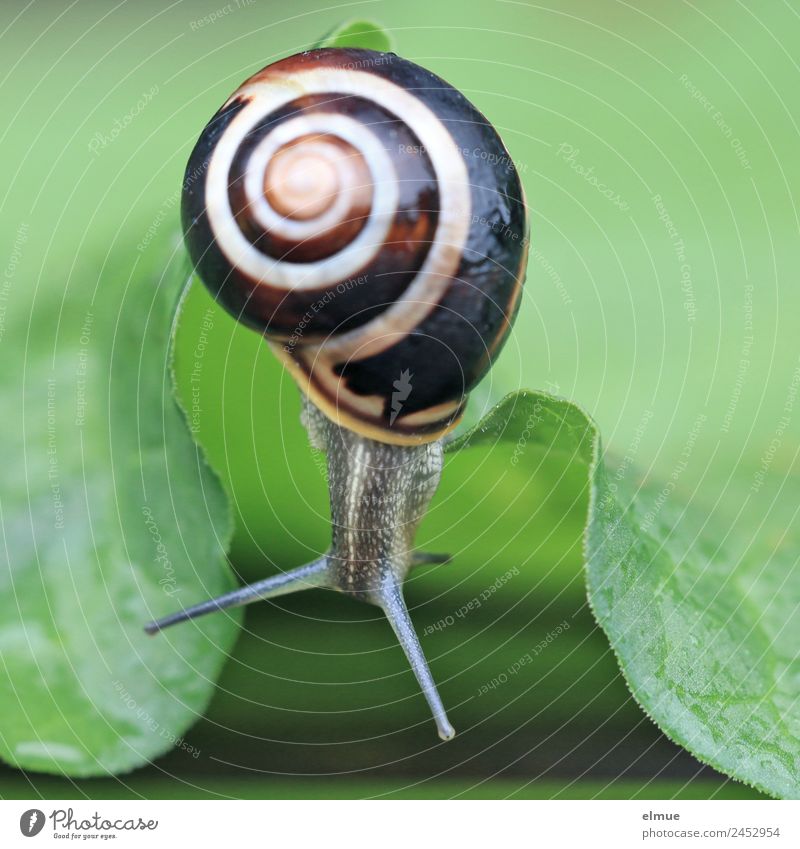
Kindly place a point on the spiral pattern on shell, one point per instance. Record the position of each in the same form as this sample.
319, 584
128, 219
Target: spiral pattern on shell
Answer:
367, 219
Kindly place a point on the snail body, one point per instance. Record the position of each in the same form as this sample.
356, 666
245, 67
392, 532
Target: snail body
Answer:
362, 215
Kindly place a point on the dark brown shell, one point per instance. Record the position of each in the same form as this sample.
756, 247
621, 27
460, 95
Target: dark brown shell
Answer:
390, 295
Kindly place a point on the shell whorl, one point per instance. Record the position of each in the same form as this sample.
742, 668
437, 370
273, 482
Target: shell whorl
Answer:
332, 204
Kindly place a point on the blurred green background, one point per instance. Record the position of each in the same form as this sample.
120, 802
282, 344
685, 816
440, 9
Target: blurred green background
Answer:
658, 147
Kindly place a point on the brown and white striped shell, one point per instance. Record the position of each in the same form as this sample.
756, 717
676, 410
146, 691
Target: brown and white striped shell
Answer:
367, 219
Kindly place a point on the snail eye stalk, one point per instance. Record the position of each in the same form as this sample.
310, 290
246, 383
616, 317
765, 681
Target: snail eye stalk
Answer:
394, 606
303, 578
365, 218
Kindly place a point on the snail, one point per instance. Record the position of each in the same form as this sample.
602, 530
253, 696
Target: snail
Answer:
364, 217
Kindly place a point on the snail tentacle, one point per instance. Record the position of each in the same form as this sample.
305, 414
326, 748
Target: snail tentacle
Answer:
305, 577
394, 606
429, 558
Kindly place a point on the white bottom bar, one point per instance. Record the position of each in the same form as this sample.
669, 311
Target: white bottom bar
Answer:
401, 824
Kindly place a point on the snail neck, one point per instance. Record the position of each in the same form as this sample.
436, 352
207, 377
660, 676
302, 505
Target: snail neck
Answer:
379, 494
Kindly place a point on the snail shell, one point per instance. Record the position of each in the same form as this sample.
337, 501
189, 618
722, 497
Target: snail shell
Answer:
366, 218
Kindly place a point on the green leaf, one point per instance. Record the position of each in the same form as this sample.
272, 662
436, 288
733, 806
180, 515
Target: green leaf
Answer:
110, 517
365, 34
704, 626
